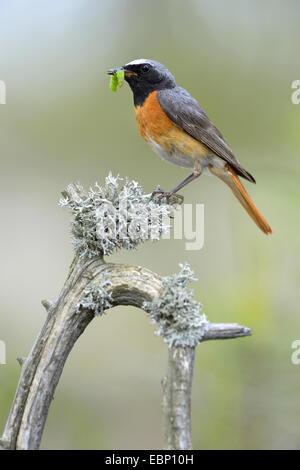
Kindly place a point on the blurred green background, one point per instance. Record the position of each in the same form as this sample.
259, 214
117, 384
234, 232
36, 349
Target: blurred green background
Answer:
61, 123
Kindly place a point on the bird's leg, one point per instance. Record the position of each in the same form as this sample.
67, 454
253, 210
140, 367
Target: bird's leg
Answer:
167, 194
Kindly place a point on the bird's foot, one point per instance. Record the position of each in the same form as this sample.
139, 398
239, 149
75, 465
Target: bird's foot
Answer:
166, 195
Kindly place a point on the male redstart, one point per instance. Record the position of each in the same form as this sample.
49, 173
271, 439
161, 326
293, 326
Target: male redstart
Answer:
178, 130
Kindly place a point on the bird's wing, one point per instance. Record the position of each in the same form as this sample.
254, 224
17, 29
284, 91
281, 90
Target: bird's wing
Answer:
185, 112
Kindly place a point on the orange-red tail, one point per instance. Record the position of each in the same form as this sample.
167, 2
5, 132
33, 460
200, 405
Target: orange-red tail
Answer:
230, 177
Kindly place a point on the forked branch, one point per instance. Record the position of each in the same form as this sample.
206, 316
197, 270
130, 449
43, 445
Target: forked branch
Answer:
93, 286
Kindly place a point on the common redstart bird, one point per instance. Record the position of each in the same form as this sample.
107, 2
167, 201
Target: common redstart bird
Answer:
179, 131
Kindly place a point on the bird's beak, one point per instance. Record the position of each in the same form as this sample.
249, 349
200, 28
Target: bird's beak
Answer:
128, 73
114, 70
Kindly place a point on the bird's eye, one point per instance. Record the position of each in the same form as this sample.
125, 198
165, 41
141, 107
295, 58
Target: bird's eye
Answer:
145, 68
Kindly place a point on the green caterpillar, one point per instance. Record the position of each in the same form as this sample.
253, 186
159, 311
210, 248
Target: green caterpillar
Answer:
116, 80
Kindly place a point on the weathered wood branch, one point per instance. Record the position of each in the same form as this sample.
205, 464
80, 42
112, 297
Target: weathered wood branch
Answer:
177, 385
177, 391
40, 374
129, 285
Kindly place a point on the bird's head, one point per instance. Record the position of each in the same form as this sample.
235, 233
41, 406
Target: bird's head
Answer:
145, 76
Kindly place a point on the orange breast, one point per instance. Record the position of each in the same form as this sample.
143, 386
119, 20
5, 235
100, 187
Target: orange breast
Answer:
155, 125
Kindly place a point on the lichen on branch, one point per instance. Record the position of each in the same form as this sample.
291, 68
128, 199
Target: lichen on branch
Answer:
176, 313
116, 215
96, 297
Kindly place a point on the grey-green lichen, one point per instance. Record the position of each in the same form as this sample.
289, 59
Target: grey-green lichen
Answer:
176, 313
115, 215
96, 297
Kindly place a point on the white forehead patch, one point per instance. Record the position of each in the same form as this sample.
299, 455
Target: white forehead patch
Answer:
137, 62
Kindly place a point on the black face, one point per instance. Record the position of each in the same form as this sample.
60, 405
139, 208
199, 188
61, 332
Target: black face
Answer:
146, 76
